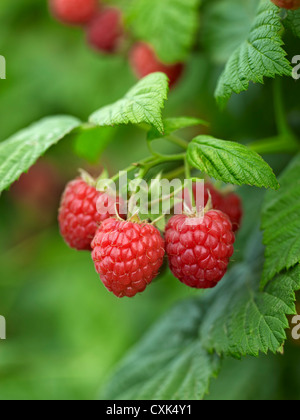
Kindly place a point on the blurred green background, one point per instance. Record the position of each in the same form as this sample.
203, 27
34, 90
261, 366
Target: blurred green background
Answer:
65, 332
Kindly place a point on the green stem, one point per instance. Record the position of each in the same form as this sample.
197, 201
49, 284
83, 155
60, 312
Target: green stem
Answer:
160, 160
131, 168
285, 131
146, 165
282, 124
178, 141
187, 169
175, 173
276, 145
190, 188
285, 141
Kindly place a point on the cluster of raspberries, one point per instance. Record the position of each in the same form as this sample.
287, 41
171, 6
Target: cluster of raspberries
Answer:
129, 254
105, 32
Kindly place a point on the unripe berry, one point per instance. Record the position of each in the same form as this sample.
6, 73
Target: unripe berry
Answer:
144, 61
105, 30
287, 4
127, 256
73, 12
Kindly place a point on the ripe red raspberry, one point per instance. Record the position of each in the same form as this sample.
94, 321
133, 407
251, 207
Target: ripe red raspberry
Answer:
287, 4
105, 30
199, 249
74, 12
127, 256
144, 61
79, 217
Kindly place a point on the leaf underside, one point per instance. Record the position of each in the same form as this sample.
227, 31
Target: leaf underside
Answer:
21, 151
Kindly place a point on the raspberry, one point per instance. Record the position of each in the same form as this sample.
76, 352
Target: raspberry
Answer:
228, 203
74, 12
287, 4
78, 217
105, 30
39, 189
127, 255
232, 206
199, 252
144, 61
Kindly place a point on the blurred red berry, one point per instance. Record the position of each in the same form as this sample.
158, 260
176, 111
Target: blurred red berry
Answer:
199, 249
287, 4
232, 206
105, 30
228, 203
127, 255
39, 189
144, 61
74, 12
79, 216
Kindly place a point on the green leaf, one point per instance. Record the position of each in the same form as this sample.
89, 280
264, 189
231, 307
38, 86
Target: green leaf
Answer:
292, 22
169, 363
169, 25
142, 104
260, 55
177, 359
174, 124
245, 321
90, 142
225, 24
21, 151
281, 223
230, 162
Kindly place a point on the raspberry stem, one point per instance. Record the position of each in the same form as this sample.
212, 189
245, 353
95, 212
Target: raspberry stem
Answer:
178, 141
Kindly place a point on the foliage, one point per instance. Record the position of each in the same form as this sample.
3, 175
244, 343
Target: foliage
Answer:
229, 45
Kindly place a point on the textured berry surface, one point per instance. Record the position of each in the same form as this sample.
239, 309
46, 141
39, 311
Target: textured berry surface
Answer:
144, 61
105, 30
79, 217
199, 252
287, 4
74, 12
127, 256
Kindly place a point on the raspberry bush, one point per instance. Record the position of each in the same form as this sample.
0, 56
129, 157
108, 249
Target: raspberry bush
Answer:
214, 106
